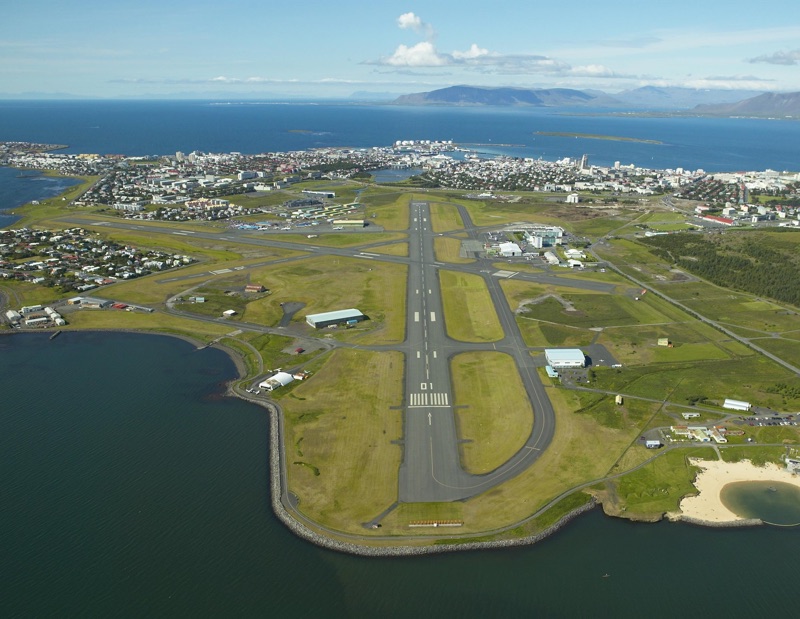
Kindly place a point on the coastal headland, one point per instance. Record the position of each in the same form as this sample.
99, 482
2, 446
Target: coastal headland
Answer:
433, 424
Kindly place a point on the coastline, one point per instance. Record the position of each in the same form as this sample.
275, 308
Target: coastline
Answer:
707, 508
708, 511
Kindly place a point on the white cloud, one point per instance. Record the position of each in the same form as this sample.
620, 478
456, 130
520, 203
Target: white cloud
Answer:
473, 52
475, 58
593, 70
782, 57
422, 54
409, 20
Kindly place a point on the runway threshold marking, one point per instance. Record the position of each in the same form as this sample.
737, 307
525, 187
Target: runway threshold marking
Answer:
416, 316
433, 316
430, 400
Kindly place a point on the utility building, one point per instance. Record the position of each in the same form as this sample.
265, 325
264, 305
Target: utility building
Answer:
326, 319
565, 357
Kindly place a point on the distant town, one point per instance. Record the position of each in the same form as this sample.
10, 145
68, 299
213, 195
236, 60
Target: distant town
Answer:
182, 187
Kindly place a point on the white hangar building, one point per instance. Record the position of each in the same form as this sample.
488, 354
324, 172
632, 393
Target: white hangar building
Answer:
326, 319
565, 357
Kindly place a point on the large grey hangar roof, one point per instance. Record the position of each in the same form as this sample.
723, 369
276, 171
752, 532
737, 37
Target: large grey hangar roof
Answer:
564, 355
345, 314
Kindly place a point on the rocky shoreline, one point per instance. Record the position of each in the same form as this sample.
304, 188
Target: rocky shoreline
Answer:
752, 522
304, 532
278, 485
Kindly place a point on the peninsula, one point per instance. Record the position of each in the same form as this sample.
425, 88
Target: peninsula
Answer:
468, 356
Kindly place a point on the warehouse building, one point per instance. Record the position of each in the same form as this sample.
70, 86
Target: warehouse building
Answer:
508, 250
565, 358
326, 319
736, 405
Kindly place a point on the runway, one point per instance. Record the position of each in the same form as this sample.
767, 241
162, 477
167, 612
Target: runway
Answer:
431, 470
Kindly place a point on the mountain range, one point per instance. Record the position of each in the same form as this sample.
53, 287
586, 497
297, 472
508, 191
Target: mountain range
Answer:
669, 99
769, 104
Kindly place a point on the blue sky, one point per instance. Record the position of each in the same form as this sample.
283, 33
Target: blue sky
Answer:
324, 49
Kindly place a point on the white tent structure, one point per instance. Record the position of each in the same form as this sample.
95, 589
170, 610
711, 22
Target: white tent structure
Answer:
281, 379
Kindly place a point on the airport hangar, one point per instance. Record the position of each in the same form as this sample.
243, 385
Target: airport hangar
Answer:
563, 358
326, 319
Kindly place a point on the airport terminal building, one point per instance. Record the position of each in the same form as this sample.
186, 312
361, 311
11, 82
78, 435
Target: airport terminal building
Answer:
562, 358
326, 319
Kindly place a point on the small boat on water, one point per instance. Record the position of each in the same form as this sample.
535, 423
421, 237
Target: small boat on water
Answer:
606, 575
55, 335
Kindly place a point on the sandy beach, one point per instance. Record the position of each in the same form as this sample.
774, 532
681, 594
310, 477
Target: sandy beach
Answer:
715, 475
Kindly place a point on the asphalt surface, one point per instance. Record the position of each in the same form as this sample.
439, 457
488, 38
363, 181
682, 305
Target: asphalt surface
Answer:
431, 470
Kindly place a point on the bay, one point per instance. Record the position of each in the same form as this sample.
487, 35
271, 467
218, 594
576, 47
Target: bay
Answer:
18, 187
130, 487
164, 127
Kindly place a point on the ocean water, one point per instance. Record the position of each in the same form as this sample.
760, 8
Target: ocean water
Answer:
163, 127
132, 488
19, 187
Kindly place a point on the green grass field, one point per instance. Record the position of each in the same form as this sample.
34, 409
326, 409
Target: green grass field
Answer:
445, 217
158, 321
343, 482
752, 379
496, 422
659, 486
335, 239
448, 250
387, 209
326, 284
468, 309
393, 249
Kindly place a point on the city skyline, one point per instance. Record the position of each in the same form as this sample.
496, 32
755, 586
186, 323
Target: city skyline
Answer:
244, 49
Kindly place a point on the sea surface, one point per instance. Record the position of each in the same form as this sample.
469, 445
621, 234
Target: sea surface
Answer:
18, 187
164, 127
130, 487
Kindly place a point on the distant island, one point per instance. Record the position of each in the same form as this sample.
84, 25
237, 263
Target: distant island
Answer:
593, 136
